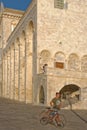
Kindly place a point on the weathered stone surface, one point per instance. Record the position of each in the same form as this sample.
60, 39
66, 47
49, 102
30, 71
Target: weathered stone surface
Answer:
45, 37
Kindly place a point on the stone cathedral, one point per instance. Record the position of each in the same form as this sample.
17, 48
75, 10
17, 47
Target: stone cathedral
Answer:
43, 51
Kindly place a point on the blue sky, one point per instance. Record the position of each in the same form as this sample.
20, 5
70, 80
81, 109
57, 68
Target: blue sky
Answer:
16, 4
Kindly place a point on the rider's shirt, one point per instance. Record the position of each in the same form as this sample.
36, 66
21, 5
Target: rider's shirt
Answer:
56, 103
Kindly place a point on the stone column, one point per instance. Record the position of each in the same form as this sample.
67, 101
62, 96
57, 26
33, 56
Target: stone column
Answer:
7, 78
38, 64
34, 66
25, 67
22, 60
19, 72
12, 72
28, 70
16, 70
3, 83
5, 75
8, 74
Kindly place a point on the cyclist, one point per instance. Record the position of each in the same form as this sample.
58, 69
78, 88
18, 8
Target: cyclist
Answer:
56, 101
56, 105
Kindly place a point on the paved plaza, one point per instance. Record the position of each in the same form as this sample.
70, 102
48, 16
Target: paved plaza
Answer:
21, 116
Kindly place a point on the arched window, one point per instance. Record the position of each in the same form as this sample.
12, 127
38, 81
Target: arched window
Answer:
44, 58
59, 60
73, 62
13, 25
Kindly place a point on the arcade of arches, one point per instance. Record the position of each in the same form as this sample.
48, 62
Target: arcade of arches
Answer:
17, 67
59, 60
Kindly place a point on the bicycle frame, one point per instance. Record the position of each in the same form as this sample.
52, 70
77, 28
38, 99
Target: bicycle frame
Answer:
52, 116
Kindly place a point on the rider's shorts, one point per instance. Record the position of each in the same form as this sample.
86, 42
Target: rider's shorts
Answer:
53, 112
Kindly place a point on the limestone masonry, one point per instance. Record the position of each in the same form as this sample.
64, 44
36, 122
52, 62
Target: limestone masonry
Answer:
43, 50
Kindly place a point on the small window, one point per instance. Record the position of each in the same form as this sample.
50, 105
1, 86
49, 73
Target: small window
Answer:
59, 65
59, 4
13, 25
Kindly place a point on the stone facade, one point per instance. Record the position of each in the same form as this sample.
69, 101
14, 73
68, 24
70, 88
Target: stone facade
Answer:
9, 19
45, 52
1, 73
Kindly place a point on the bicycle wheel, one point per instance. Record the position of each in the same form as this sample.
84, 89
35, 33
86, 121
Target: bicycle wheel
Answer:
44, 120
42, 113
62, 118
62, 121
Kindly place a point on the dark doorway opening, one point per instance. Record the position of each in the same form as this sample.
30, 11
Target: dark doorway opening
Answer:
41, 95
70, 94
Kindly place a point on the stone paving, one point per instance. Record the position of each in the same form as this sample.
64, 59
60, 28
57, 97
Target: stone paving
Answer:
21, 116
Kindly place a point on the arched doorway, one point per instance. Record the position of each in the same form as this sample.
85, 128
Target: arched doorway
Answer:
70, 94
41, 95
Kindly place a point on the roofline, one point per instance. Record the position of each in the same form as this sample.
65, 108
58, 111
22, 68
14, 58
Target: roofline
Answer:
9, 10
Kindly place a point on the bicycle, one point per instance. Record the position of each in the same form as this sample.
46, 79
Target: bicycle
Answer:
52, 116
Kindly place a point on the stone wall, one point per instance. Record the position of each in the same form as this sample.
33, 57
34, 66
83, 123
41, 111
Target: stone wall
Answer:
19, 61
53, 80
62, 30
9, 21
61, 37
45, 36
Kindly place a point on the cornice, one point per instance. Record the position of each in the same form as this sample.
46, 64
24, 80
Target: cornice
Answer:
13, 11
6, 15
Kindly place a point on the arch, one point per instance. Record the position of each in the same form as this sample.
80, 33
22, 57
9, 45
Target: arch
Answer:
41, 95
31, 27
45, 56
23, 36
30, 34
13, 24
73, 62
17, 39
84, 63
59, 60
70, 91
59, 56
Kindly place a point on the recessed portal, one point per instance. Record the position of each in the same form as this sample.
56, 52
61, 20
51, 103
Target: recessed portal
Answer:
41, 95
70, 93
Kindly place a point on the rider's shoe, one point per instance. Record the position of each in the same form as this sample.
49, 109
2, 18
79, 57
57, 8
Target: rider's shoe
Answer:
61, 124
